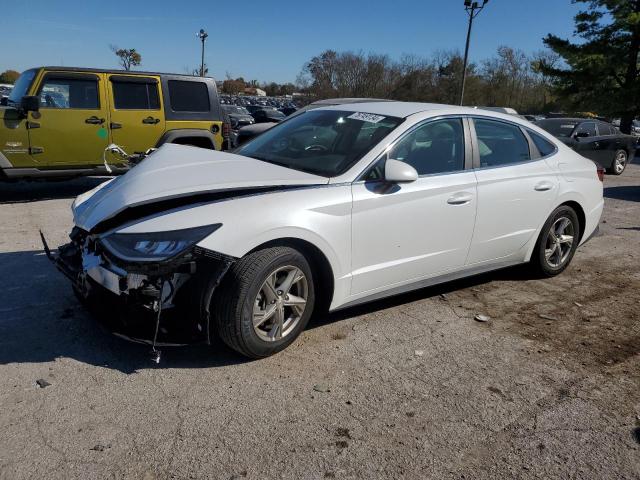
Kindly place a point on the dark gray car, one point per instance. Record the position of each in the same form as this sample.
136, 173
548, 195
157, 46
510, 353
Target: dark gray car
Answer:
600, 141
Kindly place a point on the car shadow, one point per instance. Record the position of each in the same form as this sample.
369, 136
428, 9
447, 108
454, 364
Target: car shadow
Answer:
517, 273
631, 193
41, 320
36, 190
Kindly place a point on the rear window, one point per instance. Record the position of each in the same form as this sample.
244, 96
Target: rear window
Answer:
500, 143
545, 147
558, 128
186, 96
135, 95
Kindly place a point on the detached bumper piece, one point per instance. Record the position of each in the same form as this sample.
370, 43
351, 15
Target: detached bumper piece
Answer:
157, 304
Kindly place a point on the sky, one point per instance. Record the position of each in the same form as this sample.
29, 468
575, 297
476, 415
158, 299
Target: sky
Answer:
268, 40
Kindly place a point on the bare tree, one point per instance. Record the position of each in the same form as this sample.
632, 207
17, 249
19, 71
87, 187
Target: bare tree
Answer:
127, 57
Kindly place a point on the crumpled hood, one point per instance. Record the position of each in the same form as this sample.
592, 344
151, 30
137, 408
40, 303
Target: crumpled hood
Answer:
175, 171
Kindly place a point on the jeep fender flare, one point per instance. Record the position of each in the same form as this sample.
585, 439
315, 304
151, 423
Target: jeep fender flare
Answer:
185, 133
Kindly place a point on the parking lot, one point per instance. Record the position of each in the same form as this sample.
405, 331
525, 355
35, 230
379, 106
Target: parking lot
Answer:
409, 387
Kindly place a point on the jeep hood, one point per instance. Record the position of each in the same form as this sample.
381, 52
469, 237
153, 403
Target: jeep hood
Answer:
182, 172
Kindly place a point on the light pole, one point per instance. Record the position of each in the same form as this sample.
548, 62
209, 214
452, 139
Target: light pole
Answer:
202, 35
473, 9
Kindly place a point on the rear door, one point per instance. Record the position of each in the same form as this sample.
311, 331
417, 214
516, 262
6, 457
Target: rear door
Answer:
137, 117
516, 192
70, 128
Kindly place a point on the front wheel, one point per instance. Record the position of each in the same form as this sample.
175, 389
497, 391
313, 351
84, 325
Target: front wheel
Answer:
265, 301
619, 162
557, 242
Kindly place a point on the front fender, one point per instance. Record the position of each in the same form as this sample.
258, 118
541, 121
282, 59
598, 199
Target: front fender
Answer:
319, 215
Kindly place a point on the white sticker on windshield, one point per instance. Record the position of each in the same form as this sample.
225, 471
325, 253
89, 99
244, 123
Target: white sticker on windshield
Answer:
567, 126
366, 117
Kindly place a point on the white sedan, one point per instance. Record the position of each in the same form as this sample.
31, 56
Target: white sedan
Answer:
331, 208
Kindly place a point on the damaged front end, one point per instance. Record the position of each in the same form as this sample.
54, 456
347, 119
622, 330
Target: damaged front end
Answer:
149, 291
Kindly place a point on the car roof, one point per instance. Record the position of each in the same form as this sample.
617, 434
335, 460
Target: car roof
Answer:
121, 72
569, 119
340, 101
405, 109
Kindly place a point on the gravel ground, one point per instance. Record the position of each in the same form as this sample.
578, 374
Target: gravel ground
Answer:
410, 387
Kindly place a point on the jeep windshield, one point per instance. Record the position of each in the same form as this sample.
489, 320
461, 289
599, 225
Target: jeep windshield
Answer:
321, 142
21, 87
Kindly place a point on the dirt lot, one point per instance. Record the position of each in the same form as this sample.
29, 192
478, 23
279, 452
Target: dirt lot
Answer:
410, 387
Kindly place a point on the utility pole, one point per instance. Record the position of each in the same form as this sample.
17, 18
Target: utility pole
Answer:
202, 35
473, 9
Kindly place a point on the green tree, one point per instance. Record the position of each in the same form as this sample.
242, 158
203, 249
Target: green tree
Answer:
601, 68
9, 76
127, 57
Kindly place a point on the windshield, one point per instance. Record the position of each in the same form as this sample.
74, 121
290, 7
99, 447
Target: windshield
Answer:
558, 128
21, 87
322, 142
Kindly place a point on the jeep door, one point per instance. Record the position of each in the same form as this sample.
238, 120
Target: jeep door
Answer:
137, 118
70, 129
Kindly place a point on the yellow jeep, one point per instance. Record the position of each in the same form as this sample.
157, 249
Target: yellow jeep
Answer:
60, 121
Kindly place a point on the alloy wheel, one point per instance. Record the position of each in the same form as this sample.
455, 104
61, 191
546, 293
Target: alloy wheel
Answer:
559, 242
620, 162
280, 303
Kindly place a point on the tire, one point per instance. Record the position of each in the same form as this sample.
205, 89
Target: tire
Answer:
620, 160
549, 266
245, 293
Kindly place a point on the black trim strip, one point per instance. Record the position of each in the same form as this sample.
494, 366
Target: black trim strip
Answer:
132, 79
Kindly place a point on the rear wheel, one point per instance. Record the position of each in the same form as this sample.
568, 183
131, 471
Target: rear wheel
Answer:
619, 162
265, 301
557, 242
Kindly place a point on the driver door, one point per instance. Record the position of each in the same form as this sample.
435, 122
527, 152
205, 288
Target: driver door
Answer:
403, 233
589, 143
70, 128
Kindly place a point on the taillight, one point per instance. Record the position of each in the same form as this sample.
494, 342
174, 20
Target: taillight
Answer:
600, 171
225, 130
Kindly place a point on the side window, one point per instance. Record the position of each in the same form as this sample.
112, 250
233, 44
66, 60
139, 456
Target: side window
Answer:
603, 129
500, 143
587, 129
435, 147
612, 130
80, 93
188, 96
135, 95
545, 147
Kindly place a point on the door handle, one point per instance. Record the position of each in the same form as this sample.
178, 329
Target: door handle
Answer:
596, 144
151, 120
543, 186
115, 126
94, 120
459, 199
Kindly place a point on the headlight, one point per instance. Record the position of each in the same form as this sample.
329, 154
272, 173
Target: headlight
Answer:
155, 246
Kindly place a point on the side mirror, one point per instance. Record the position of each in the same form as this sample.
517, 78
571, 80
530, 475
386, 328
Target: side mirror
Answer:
396, 171
30, 103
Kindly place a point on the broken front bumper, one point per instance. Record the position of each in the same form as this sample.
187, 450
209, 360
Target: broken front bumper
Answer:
156, 303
